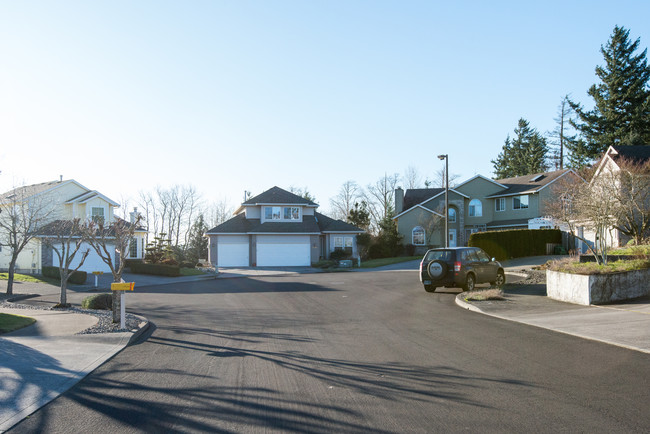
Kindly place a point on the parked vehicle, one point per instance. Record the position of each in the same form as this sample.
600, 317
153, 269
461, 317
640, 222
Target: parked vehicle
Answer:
459, 267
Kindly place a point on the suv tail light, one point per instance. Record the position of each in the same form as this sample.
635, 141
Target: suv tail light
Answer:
457, 266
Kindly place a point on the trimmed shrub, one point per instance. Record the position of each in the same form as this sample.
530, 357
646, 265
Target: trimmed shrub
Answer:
169, 261
188, 264
156, 269
515, 243
409, 249
77, 278
128, 263
98, 301
338, 254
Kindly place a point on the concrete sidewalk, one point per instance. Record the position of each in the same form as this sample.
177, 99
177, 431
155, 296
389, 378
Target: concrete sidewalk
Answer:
625, 324
43, 360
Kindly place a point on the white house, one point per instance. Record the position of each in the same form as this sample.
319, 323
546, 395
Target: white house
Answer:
279, 228
64, 200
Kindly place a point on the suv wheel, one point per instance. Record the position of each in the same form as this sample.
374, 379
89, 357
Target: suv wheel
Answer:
500, 280
429, 288
470, 282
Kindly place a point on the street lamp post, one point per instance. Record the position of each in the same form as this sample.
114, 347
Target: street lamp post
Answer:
446, 158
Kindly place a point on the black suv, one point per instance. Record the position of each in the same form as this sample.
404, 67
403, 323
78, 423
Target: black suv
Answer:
459, 266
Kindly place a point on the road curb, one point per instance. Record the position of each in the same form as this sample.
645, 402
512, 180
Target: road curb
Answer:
460, 301
143, 326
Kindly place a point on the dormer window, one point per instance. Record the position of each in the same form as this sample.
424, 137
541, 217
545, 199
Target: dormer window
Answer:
272, 213
292, 213
282, 213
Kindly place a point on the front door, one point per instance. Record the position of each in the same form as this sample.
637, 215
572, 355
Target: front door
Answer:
452, 237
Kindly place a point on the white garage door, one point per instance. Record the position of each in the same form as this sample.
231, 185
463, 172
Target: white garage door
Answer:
232, 251
92, 263
283, 250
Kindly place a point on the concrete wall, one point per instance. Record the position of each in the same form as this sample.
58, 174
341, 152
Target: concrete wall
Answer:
597, 288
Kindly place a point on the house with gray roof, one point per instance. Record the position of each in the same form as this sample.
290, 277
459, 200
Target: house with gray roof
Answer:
475, 205
278, 228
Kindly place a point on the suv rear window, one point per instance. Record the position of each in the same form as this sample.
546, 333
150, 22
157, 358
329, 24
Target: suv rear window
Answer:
439, 255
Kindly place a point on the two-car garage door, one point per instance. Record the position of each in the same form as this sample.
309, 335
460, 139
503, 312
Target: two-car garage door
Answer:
271, 250
283, 250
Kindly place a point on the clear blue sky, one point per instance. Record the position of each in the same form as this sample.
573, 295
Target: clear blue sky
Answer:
244, 95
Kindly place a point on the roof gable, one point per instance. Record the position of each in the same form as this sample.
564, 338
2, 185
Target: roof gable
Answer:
528, 184
276, 195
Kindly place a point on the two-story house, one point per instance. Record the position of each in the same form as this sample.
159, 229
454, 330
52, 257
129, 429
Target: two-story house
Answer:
64, 200
478, 204
278, 228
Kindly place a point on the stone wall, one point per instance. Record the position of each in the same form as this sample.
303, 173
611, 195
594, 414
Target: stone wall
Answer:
597, 288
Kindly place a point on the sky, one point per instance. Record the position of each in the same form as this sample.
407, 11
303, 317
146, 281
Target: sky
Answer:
234, 96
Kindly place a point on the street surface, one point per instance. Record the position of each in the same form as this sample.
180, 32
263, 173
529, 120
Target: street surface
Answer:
346, 352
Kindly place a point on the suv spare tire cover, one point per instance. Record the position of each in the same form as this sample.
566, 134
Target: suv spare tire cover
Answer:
437, 269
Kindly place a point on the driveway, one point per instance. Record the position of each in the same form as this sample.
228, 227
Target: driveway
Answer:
346, 352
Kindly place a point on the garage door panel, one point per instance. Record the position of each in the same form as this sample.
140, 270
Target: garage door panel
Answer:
93, 261
232, 251
278, 251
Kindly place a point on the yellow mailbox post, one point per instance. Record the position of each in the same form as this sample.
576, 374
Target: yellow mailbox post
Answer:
121, 287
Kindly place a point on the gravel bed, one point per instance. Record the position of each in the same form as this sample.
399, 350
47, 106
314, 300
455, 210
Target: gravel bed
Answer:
105, 318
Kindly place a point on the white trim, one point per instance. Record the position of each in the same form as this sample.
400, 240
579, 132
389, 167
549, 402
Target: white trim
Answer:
608, 155
424, 236
418, 206
214, 234
482, 177
280, 233
520, 208
343, 232
513, 194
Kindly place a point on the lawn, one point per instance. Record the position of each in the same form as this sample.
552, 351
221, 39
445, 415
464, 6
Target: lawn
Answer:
191, 272
373, 263
29, 278
9, 323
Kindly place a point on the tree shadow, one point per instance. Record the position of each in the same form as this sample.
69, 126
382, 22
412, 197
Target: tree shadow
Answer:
28, 377
240, 285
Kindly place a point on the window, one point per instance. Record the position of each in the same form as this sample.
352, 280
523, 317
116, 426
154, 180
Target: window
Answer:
133, 248
452, 215
520, 202
500, 204
482, 256
272, 213
292, 213
418, 236
98, 215
338, 242
348, 245
475, 208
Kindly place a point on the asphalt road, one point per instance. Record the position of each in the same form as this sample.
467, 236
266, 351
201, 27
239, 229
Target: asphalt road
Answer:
347, 352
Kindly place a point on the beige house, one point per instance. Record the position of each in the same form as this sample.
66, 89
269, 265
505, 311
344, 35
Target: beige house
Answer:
63, 200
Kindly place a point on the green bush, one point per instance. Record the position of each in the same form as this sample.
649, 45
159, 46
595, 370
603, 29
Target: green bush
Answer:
128, 263
515, 243
188, 264
338, 254
156, 269
77, 278
98, 301
409, 249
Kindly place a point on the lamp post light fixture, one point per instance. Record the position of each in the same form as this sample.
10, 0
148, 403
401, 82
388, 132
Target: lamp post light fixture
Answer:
446, 158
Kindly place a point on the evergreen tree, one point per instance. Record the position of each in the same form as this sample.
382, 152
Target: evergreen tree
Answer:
621, 115
359, 215
198, 243
523, 155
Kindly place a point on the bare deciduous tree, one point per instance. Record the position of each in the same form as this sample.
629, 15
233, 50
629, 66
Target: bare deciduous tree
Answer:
21, 214
412, 178
632, 193
218, 212
66, 239
380, 197
111, 242
344, 201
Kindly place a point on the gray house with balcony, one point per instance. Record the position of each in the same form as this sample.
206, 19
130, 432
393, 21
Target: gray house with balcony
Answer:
477, 204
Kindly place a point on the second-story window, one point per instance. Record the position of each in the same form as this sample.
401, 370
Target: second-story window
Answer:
520, 202
97, 214
292, 213
475, 208
272, 213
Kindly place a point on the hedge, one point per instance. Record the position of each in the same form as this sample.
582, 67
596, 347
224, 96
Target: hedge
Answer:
98, 301
156, 269
77, 278
515, 243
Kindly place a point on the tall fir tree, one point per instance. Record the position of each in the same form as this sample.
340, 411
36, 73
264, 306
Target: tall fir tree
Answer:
621, 113
524, 155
